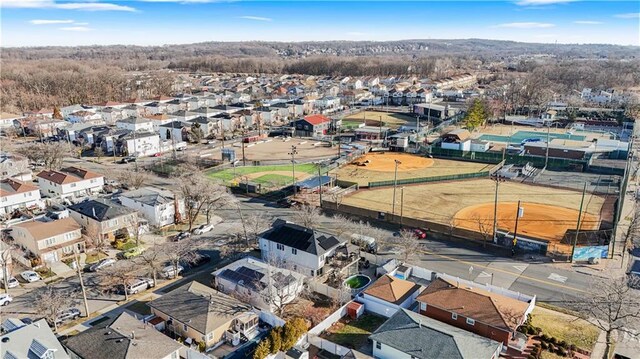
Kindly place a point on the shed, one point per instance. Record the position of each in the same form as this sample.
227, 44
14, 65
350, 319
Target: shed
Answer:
458, 135
355, 310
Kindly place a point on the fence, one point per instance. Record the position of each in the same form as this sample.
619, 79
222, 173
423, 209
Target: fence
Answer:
330, 320
586, 253
331, 347
270, 318
324, 289
429, 179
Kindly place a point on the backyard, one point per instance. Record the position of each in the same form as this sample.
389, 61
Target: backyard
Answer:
353, 333
565, 327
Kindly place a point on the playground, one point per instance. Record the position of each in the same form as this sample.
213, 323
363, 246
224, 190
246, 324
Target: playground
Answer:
380, 166
469, 204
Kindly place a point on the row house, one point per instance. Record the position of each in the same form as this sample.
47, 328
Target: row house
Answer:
50, 241
138, 144
84, 116
13, 165
16, 194
101, 218
69, 182
159, 207
136, 123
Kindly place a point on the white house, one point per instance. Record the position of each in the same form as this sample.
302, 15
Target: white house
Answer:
7, 119
263, 284
15, 194
156, 205
303, 249
69, 182
51, 241
140, 144
35, 340
388, 294
84, 116
140, 124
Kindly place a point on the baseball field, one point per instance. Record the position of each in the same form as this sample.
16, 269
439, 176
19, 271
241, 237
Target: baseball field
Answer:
270, 176
469, 204
373, 118
380, 166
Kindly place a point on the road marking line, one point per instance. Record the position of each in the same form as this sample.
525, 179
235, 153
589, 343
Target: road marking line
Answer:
507, 272
557, 277
484, 274
521, 268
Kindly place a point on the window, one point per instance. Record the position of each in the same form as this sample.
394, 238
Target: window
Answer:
294, 251
72, 185
454, 316
280, 246
423, 306
378, 345
471, 321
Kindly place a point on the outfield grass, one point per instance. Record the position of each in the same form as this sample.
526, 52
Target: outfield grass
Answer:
354, 334
227, 174
274, 180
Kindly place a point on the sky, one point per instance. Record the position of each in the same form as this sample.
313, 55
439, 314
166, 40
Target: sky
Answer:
160, 22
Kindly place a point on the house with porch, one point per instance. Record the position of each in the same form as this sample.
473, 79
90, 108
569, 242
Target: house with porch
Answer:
51, 241
202, 314
15, 194
69, 182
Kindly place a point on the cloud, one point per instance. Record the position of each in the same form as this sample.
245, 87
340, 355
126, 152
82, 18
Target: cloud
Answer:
541, 2
587, 22
76, 28
630, 15
51, 4
81, 23
50, 22
526, 25
256, 18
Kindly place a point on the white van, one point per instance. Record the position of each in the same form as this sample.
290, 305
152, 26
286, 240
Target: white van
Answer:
365, 242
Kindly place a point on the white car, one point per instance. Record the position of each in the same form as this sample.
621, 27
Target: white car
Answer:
139, 285
30, 276
170, 271
102, 264
12, 282
5, 299
203, 229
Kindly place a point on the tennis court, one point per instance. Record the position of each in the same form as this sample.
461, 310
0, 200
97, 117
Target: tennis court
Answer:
520, 136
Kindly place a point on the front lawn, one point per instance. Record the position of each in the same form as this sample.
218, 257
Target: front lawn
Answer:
354, 333
565, 327
94, 257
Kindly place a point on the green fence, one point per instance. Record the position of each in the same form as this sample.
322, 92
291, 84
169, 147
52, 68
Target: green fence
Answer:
495, 157
429, 179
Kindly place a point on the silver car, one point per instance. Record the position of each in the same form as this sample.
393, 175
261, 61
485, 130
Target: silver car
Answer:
102, 264
67, 314
139, 285
12, 282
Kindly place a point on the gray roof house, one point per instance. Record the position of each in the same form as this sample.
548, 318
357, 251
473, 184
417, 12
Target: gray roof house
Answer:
123, 337
107, 218
156, 205
411, 335
31, 341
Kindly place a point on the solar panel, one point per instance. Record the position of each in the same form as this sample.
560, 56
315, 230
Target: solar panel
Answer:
250, 273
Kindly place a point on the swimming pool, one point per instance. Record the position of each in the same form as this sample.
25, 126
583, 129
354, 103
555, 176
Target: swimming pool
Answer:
519, 136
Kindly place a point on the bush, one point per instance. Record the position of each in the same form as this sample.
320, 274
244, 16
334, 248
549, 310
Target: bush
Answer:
553, 340
202, 347
263, 349
573, 347
275, 337
563, 344
545, 338
544, 345
292, 331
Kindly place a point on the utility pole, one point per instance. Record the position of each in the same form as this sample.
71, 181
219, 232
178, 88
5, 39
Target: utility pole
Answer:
401, 203
293, 154
320, 181
515, 231
135, 150
546, 157
82, 288
575, 240
497, 178
395, 185
244, 134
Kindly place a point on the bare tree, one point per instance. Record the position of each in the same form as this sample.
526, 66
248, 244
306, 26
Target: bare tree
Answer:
307, 216
282, 286
98, 153
50, 154
407, 244
200, 193
50, 302
133, 179
94, 238
485, 227
256, 223
5, 256
153, 259
342, 225
613, 306
184, 250
218, 197
122, 274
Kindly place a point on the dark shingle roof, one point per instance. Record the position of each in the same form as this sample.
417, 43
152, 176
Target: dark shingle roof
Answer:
301, 238
100, 209
427, 338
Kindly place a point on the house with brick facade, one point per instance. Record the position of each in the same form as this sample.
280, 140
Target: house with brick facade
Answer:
488, 314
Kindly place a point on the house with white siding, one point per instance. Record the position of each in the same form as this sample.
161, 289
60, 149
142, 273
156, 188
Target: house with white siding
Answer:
16, 194
156, 205
51, 241
69, 182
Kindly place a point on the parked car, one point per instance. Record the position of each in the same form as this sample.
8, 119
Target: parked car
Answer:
67, 315
102, 264
12, 282
203, 229
199, 260
133, 252
139, 285
5, 299
182, 235
128, 159
419, 233
170, 271
30, 276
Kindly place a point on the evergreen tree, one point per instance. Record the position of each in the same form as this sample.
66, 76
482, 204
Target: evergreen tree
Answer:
476, 116
56, 113
263, 349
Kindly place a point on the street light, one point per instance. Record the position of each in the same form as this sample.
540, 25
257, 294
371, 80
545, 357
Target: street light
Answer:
395, 185
293, 154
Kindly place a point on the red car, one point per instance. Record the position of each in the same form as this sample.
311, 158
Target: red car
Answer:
157, 154
419, 233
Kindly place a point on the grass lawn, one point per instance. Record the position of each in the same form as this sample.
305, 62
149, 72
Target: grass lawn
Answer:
354, 334
390, 119
139, 307
94, 257
227, 174
274, 179
565, 327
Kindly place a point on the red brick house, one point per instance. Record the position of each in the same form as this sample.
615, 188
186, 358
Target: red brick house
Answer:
476, 310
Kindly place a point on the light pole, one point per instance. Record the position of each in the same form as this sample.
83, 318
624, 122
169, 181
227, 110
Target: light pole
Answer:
519, 213
293, 154
497, 178
395, 185
401, 203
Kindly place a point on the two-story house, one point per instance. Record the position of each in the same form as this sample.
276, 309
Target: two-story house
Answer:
135, 123
15, 194
156, 205
69, 182
312, 125
488, 314
204, 315
298, 248
123, 337
12, 165
35, 340
101, 217
51, 241
409, 335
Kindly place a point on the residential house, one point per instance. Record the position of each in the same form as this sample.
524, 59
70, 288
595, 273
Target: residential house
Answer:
50, 241
303, 250
138, 144
111, 115
312, 125
139, 124
123, 337
8, 119
44, 127
176, 131
183, 115
69, 182
206, 111
15, 194
159, 120
388, 294
263, 284
157, 206
409, 335
132, 111
13, 165
208, 125
203, 315
488, 314
327, 103
84, 116
32, 341
267, 115
101, 217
